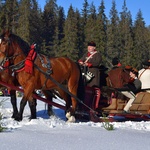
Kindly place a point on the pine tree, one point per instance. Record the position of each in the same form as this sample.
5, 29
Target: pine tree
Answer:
2, 15
101, 28
126, 35
23, 29
70, 42
35, 22
84, 17
49, 25
113, 35
141, 41
9, 14
1, 127
59, 31
90, 27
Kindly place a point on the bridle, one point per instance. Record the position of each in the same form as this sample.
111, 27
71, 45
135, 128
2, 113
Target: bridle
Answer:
7, 59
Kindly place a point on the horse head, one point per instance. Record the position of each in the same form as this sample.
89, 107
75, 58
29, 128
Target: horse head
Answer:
11, 46
6, 49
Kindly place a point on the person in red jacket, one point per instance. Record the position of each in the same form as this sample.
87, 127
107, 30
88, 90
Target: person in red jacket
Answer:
91, 61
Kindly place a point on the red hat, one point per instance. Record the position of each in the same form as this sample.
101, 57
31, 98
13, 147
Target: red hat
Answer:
91, 44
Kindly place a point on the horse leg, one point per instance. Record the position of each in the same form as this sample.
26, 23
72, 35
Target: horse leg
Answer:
32, 105
73, 88
13, 100
22, 105
67, 99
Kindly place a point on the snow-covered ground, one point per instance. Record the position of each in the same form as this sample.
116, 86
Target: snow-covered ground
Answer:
54, 133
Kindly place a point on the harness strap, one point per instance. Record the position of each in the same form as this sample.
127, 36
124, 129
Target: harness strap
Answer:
63, 88
141, 74
90, 56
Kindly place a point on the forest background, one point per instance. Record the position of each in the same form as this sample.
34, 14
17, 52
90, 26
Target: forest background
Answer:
57, 34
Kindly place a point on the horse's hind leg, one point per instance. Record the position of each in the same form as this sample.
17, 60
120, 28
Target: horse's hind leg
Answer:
13, 100
73, 88
49, 95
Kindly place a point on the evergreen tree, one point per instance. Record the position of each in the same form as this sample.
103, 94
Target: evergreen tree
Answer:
1, 127
9, 14
59, 31
35, 21
2, 15
141, 41
113, 35
101, 28
90, 27
49, 25
84, 16
70, 43
23, 29
126, 35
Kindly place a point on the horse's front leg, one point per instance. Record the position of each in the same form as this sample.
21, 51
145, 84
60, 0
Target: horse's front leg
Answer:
20, 113
13, 100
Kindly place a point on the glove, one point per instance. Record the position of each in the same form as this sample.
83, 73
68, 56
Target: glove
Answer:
89, 76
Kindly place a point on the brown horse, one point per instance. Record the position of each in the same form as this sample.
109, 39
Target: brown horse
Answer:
61, 69
6, 78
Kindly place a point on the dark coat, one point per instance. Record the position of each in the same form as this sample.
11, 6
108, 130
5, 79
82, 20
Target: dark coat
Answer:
94, 62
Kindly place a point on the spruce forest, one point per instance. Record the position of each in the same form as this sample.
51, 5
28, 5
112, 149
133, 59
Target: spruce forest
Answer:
57, 34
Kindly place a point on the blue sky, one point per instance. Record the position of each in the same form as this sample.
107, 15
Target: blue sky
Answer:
132, 5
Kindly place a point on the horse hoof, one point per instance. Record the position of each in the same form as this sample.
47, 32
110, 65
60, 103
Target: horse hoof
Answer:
18, 119
30, 118
71, 119
13, 116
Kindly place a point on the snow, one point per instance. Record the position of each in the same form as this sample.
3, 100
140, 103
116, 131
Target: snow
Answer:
54, 133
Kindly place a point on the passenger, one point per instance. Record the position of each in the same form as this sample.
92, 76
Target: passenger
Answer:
131, 89
91, 61
144, 76
116, 62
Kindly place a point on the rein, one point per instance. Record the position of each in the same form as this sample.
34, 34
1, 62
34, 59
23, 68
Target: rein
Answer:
62, 87
15, 68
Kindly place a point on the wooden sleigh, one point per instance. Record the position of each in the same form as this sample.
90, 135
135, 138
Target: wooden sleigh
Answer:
100, 109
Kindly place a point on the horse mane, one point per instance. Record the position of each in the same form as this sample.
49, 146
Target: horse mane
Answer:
22, 44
